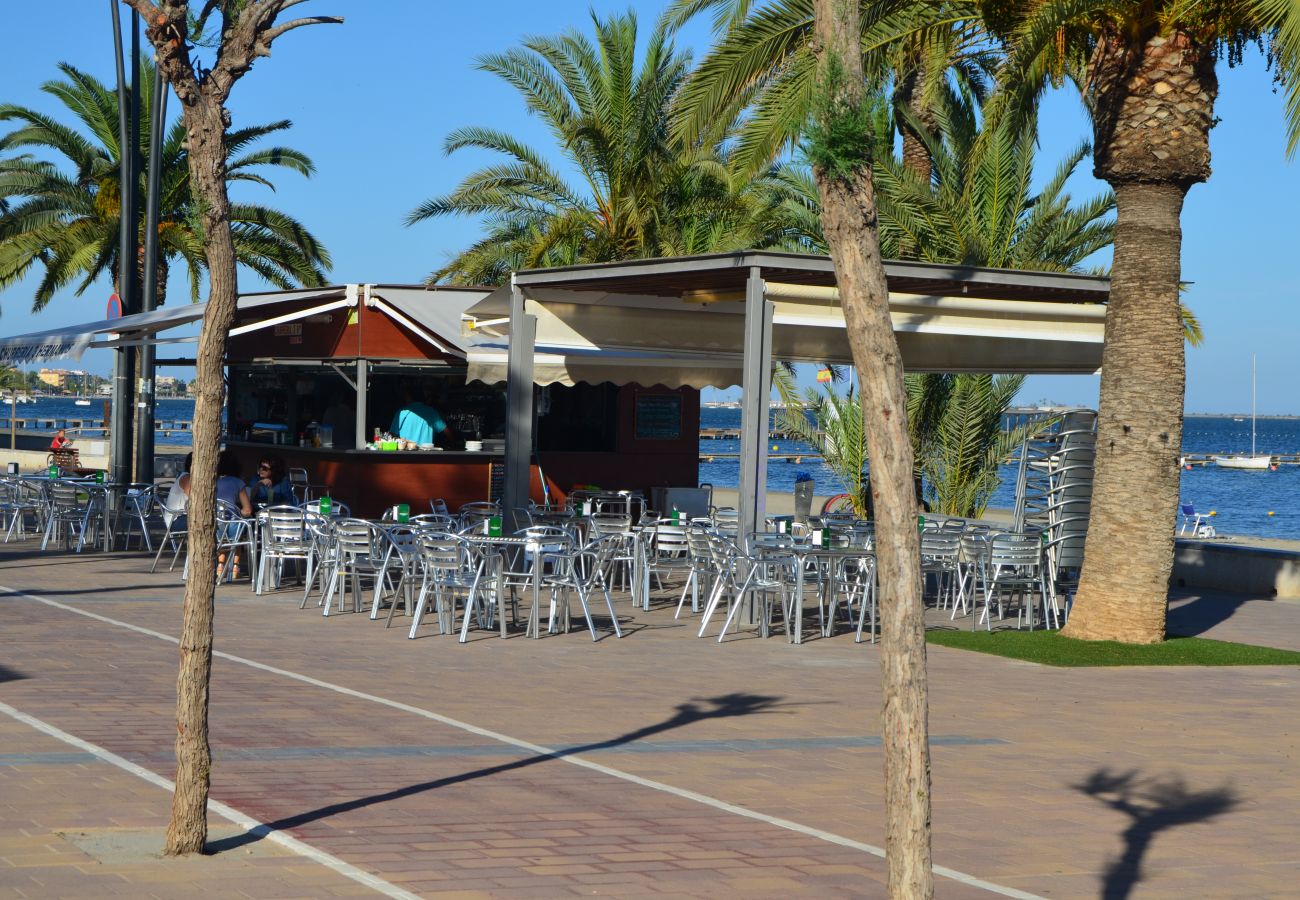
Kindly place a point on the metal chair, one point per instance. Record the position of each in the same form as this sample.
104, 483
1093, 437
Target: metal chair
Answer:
137, 508
1015, 564
446, 570
71, 511
235, 533
360, 554
401, 556
581, 570
284, 537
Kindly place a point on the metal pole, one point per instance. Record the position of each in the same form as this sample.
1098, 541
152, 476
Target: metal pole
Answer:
756, 393
144, 423
123, 363
363, 392
519, 407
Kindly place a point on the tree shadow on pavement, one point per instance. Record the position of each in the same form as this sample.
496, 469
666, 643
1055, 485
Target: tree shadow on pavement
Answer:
1194, 614
698, 710
1152, 805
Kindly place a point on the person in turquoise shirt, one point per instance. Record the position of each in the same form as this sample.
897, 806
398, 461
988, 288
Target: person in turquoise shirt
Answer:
417, 421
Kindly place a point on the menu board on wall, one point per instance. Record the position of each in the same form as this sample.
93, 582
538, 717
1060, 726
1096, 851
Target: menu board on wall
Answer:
496, 481
658, 417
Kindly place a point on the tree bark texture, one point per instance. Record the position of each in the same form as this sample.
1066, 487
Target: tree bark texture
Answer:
849, 223
1153, 104
247, 32
187, 831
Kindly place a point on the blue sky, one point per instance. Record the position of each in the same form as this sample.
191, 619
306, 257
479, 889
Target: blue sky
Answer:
372, 100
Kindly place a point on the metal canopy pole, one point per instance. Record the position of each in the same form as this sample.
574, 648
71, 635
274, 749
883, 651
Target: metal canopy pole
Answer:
756, 392
144, 422
363, 392
128, 138
519, 406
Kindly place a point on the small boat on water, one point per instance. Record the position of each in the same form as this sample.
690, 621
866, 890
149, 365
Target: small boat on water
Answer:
81, 402
1253, 462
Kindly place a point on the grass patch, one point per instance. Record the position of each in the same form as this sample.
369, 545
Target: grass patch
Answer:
1050, 649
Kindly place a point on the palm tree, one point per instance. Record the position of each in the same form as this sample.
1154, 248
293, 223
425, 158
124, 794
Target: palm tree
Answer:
1147, 74
979, 209
64, 219
637, 194
930, 54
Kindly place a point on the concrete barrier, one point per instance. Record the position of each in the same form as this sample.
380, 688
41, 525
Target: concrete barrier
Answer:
1239, 568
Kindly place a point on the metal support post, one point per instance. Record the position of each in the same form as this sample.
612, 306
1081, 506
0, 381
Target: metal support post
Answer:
519, 407
363, 391
145, 407
756, 393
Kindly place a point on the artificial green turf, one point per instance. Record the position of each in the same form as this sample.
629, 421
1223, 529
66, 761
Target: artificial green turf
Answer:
1050, 649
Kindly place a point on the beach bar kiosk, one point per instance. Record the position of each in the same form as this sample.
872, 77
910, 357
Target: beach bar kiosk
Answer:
316, 381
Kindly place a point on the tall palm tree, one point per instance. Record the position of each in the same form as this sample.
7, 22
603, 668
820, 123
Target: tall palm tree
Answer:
64, 218
637, 193
1147, 74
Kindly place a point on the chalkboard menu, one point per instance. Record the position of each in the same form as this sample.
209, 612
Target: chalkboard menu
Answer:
658, 417
496, 481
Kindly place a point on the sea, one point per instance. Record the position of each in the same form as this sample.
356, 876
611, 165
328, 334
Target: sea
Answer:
62, 412
1256, 503
1260, 504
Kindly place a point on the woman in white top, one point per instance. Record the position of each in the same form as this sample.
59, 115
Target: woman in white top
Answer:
179, 496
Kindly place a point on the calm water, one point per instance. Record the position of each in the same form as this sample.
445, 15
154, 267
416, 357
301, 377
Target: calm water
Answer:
62, 409
1241, 500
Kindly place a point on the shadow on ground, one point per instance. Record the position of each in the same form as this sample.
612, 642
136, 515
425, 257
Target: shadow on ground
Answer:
8, 674
724, 707
1194, 614
1152, 805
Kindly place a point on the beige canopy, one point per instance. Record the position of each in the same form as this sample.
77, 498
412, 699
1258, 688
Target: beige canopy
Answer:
694, 339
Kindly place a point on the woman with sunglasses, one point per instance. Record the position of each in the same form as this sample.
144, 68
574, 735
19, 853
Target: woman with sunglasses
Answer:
270, 486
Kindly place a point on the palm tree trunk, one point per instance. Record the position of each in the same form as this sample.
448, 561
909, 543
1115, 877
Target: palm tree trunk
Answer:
849, 223
1153, 103
1125, 585
188, 829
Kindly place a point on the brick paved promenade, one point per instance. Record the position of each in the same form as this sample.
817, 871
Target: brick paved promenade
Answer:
654, 765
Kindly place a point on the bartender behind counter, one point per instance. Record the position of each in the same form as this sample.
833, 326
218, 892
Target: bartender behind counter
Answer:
417, 421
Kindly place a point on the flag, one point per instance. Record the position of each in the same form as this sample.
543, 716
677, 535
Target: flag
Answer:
824, 376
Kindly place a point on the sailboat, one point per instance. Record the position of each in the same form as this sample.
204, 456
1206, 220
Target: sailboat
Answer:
1253, 461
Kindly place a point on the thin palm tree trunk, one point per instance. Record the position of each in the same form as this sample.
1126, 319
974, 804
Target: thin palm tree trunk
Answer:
849, 223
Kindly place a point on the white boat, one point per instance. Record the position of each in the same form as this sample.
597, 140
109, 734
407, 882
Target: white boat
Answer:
80, 402
1254, 461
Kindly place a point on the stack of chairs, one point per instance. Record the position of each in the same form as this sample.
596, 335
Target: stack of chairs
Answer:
1054, 495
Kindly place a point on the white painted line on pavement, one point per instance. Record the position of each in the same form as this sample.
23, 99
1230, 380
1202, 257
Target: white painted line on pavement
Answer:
703, 799
251, 825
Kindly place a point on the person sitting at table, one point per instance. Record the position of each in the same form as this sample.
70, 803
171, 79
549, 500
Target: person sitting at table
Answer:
178, 497
417, 421
270, 486
61, 440
230, 487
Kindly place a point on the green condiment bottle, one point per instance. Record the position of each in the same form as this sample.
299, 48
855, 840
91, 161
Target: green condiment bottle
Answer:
494, 526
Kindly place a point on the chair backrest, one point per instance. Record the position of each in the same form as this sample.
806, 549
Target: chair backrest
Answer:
442, 554
940, 544
283, 524
670, 540
356, 538
434, 522
610, 523
1189, 509
1015, 550
64, 496
438, 507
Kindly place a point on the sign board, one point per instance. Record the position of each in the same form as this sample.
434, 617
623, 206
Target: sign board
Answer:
496, 481
114, 310
658, 417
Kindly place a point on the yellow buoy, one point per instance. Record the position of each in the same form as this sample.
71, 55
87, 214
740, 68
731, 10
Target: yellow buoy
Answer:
1214, 512
775, 447
1270, 512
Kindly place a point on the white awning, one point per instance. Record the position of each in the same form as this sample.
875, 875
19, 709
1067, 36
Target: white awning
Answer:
433, 314
144, 328
595, 336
